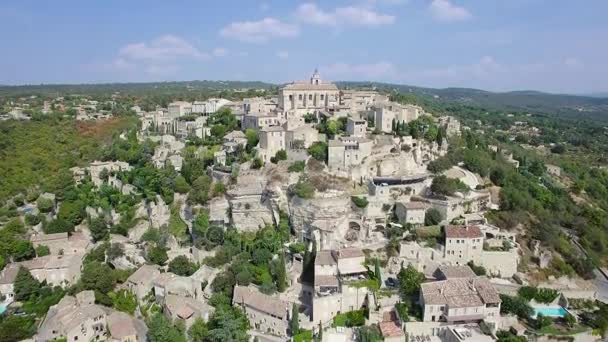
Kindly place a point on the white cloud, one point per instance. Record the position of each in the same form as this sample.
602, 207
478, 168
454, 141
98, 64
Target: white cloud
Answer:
350, 15
259, 31
283, 54
444, 10
166, 47
158, 57
371, 71
219, 52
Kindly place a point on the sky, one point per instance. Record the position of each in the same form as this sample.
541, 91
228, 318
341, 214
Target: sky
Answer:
498, 45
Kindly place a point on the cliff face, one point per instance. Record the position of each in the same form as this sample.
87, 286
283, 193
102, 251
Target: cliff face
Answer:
324, 218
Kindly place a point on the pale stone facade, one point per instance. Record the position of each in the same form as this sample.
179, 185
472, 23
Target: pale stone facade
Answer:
387, 113
266, 313
179, 108
356, 127
459, 300
310, 96
463, 244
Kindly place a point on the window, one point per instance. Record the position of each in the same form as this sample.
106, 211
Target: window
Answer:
310, 96
300, 97
322, 97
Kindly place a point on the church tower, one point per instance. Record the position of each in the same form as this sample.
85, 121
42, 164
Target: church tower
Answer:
316, 78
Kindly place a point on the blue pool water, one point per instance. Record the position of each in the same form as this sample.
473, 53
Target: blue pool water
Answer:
550, 312
2, 308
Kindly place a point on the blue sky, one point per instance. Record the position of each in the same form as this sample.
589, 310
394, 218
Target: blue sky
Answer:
549, 45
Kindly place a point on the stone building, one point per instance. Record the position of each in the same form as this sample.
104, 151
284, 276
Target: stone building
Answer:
335, 270
459, 300
179, 108
345, 152
141, 282
463, 244
74, 318
388, 113
411, 212
272, 140
311, 96
267, 314
186, 309
356, 127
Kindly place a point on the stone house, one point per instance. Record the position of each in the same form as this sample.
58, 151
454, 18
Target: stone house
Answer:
179, 108
74, 318
356, 127
61, 244
7, 281
267, 314
346, 152
386, 113
171, 284
141, 282
411, 212
272, 140
56, 270
459, 300
463, 244
186, 309
124, 328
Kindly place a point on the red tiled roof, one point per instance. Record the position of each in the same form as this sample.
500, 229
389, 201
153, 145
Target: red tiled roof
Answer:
463, 232
390, 329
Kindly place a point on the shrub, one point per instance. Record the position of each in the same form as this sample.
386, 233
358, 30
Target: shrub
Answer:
42, 250
318, 151
304, 189
360, 202
350, 319
280, 155
432, 217
297, 166
257, 163
478, 270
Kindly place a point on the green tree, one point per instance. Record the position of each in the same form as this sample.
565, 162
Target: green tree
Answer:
280, 274
97, 276
157, 255
252, 138
228, 324
294, 322
99, 229
58, 225
23, 250
198, 331
181, 185
72, 212
409, 281
25, 286
377, 273
443, 185
200, 190
182, 266
432, 217
123, 300
45, 205
318, 150
160, 329
42, 250
17, 328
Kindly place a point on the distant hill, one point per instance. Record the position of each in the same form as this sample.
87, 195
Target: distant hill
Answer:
572, 106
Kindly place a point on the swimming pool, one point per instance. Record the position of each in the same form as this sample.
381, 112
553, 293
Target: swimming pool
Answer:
2, 308
550, 312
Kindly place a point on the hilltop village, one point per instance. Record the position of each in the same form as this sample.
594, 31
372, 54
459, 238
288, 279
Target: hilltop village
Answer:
317, 214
